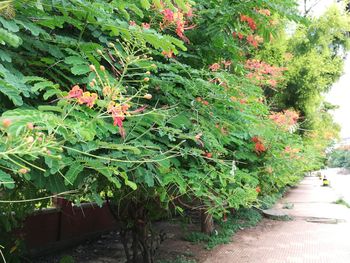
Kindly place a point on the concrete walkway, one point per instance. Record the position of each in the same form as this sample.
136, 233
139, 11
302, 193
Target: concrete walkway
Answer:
318, 233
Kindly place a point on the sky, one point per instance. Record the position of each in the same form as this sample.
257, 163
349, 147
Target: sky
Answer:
340, 92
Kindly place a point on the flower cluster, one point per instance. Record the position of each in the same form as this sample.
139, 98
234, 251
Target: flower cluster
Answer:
200, 100
250, 21
262, 73
168, 54
240, 100
265, 12
82, 97
117, 107
259, 146
253, 40
286, 119
222, 64
291, 152
179, 19
118, 112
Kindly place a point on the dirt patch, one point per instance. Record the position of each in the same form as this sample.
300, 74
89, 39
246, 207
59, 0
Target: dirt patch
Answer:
107, 248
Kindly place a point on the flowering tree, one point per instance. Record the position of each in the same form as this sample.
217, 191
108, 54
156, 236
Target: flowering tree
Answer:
150, 107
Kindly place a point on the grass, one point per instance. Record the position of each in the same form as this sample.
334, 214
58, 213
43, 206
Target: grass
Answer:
268, 201
341, 201
288, 206
244, 218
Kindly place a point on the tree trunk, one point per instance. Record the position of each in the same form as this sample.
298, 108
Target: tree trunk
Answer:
207, 222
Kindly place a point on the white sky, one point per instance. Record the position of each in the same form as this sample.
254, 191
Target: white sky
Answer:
340, 92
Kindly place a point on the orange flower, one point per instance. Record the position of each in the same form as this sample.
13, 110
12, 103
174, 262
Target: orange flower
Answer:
255, 139
250, 21
168, 54
88, 98
75, 92
214, 67
168, 15
209, 155
227, 63
259, 148
265, 12
252, 41
118, 113
6, 123
146, 25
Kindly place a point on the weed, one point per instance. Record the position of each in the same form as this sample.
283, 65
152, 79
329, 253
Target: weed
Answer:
67, 259
244, 218
288, 206
341, 201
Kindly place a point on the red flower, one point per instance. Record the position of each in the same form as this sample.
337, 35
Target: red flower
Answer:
214, 67
227, 63
259, 148
265, 12
146, 25
118, 115
255, 139
252, 41
243, 101
209, 155
258, 189
75, 92
6, 123
168, 54
88, 98
168, 15
250, 21
132, 23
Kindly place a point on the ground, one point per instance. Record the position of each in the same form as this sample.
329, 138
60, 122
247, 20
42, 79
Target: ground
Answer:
319, 231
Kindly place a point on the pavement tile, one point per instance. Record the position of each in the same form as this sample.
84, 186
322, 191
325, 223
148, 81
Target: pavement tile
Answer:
296, 241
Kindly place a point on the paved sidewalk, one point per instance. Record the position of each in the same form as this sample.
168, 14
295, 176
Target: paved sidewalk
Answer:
319, 232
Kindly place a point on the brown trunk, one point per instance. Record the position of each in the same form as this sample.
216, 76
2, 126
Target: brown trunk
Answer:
207, 223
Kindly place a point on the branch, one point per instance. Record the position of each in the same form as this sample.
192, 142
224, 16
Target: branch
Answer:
307, 11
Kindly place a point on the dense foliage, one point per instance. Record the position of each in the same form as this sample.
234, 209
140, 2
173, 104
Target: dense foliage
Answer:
158, 106
339, 158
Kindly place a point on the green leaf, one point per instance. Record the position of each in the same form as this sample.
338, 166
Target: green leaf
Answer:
6, 180
34, 29
11, 92
8, 38
80, 69
87, 132
149, 179
4, 56
97, 198
74, 60
41, 85
157, 3
73, 173
10, 25
145, 4
131, 184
